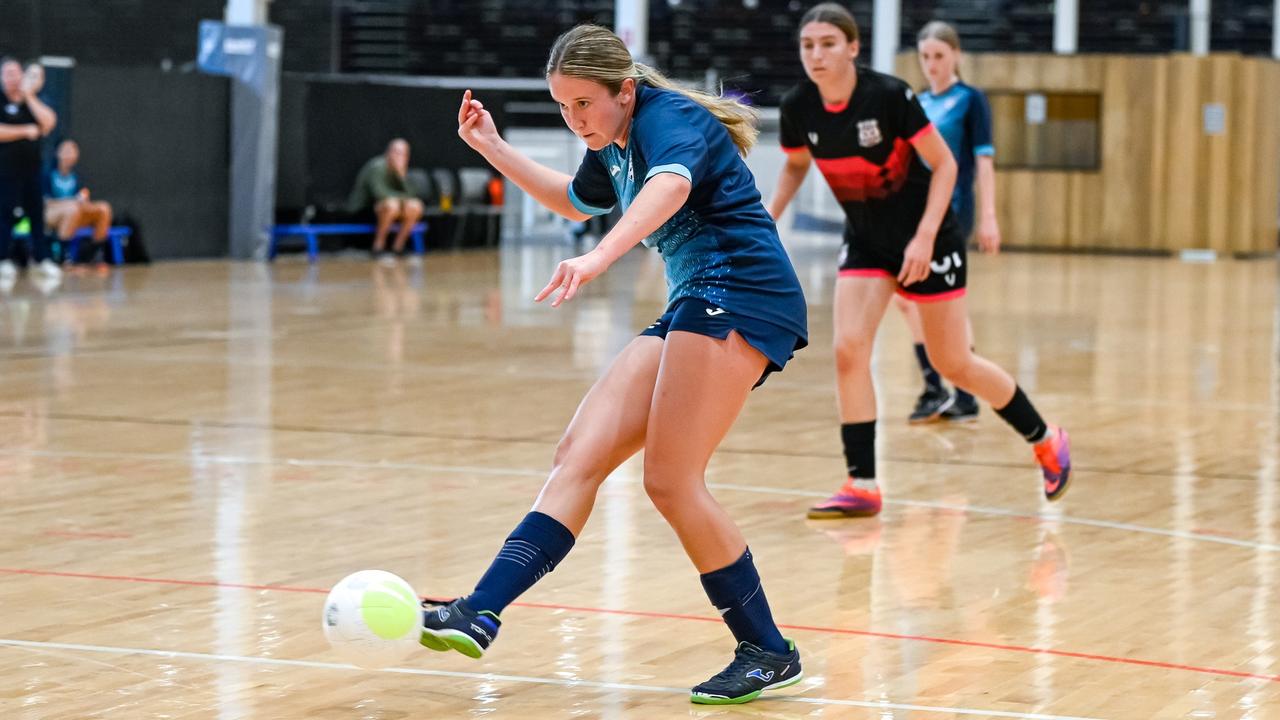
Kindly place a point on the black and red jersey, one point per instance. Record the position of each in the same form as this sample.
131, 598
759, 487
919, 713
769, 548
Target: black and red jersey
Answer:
863, 149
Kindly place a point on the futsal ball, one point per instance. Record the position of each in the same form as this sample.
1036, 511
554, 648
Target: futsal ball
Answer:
372, 618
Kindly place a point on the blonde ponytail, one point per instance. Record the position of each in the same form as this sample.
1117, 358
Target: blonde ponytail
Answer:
737, 118
592, 52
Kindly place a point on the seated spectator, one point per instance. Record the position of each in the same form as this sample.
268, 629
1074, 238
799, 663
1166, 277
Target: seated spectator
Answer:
67, 204
383, 185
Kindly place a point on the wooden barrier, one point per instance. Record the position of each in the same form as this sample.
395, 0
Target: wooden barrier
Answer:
1163, 183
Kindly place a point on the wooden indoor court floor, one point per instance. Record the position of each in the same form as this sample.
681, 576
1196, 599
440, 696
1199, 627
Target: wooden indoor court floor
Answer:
192, 453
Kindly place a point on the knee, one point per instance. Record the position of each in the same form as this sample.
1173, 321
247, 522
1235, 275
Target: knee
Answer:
413, 209
574, 462
660, 491
665, 485
952, 365
852, 353
104, 208
390, 206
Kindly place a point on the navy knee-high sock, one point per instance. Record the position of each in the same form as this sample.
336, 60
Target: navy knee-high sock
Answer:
932, 379
736, 591
532, 550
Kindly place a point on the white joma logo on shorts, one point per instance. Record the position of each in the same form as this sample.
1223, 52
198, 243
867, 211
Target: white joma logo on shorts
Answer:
716, 311
944, 267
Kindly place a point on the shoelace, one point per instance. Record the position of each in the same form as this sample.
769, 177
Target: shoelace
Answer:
741, 659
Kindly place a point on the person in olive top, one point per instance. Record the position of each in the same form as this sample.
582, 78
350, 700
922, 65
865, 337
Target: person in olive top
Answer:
68, 206
383, 185
24, 121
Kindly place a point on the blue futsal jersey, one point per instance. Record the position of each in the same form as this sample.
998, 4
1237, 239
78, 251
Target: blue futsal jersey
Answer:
721, 246
963, 117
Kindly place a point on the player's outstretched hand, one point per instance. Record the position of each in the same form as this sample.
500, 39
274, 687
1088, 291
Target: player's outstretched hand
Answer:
475, 125
572, 274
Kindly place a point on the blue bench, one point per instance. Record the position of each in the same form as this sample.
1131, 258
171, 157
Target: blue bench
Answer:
312, 233
116, 237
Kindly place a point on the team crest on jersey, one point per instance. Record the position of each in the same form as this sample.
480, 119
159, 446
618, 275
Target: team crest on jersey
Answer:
813, 138
869, 133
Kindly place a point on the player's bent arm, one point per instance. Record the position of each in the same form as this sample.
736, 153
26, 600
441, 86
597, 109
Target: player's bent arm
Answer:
549, 187
934, 151
790, 178
660, 198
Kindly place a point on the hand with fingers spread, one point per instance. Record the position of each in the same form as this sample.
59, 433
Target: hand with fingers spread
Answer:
475, 125
572, 274
915, 260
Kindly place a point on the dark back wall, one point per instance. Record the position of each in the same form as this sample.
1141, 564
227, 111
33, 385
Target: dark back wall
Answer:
155, 145
330, 126
106, 32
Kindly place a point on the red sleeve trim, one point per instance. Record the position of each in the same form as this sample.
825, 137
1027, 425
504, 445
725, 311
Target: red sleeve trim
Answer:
921, 133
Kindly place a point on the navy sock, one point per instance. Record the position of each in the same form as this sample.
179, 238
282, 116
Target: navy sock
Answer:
965, 397
859, 441
736, 591
1022, 415
931, 377
532, 550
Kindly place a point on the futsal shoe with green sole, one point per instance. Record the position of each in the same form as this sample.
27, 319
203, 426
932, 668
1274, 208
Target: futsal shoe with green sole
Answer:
752, 671
455, 626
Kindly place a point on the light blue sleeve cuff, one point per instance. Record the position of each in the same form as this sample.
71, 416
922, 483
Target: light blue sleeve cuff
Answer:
675, 168
582, 207
986, 150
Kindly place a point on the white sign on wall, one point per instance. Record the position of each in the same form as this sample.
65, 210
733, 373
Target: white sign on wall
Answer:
1215, 119
1037, 109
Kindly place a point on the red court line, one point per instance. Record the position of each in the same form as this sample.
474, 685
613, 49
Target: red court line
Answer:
699, 618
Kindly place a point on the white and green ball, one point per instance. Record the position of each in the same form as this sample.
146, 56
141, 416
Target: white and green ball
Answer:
372, 618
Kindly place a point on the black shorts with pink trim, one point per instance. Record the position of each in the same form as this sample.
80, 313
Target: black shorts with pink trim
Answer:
947, 271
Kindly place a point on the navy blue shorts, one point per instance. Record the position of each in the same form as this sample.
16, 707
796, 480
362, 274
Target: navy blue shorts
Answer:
695, 315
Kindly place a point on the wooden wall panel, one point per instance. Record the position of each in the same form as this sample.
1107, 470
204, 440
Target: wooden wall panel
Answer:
1214, 185
1164, 184
1261, 149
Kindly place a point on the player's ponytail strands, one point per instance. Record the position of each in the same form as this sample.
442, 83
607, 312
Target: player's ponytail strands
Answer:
592, 52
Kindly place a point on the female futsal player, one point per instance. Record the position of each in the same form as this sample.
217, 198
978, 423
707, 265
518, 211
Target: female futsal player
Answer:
960, 113
868, 135
672, 159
